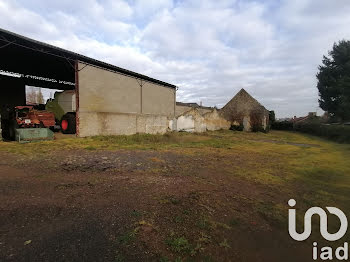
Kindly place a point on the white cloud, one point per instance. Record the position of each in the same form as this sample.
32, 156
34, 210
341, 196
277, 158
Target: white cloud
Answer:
210, 49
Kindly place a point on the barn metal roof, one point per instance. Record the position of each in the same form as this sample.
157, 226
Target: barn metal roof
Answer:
20, 54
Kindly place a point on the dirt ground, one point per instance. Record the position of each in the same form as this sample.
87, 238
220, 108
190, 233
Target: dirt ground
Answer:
144, 205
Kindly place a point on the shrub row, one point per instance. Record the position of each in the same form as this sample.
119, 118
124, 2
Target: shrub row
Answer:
338, 133
283, 125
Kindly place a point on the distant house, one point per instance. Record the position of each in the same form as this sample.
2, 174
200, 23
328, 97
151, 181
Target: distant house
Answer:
311, 116
246, 111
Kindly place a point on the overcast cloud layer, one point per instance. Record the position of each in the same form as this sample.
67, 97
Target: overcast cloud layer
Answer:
209, 49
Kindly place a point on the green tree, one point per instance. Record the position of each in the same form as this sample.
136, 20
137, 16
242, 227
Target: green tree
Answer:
272, 117
334, 81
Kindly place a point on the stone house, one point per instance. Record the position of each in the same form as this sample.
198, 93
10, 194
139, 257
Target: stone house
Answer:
243, 110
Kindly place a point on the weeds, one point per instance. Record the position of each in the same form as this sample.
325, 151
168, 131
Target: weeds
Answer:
224, 244
126, 238
179, 244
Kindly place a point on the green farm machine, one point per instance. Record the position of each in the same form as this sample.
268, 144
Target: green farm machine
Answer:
63, 106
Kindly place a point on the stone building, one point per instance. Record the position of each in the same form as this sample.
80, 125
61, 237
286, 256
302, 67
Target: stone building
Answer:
243, 110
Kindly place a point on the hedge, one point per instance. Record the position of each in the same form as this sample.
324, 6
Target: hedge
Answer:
282, 125
338, 133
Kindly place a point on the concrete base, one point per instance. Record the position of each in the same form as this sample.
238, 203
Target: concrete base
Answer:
96, 123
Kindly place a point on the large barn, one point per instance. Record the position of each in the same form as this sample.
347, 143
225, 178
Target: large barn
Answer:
109, 100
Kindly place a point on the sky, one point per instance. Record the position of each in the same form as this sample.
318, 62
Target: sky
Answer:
209, 49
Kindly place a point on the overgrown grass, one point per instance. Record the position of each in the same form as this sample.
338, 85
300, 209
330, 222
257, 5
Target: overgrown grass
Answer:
280, 159
179, 244
314, 171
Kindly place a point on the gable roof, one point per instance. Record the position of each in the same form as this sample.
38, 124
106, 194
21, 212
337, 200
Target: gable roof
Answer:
243, 94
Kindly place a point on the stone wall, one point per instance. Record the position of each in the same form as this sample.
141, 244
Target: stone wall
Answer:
180, 109
214, 121
244, 110
194, 121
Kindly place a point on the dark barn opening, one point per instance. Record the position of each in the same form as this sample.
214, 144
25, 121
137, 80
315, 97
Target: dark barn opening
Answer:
25, 62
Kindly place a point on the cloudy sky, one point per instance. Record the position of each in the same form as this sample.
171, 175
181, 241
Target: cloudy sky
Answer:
209, 49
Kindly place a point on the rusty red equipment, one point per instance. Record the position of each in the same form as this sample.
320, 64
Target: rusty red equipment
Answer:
28, 117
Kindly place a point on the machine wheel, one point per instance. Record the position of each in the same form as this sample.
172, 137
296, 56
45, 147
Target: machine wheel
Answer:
68, 124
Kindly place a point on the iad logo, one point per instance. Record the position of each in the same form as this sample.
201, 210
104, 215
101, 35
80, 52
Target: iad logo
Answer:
323, 222
341, 253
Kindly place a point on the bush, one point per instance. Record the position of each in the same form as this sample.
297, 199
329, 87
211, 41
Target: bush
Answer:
282, 125
338, 133
237, 127
259, 128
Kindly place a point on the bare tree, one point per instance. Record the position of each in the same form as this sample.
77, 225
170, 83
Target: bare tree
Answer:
31, 95
40, 97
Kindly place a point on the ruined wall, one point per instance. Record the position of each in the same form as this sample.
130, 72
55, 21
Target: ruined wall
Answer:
180, 109
203, 111
214, 121
194, 121
115, 104
185, 123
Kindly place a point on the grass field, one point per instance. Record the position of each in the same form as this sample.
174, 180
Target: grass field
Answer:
218, 196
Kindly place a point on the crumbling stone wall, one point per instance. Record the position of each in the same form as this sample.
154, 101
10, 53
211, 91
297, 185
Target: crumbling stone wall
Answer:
194, 121
214, 121
191, 121
181, 109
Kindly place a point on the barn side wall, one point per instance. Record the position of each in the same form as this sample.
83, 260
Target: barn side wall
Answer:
114, 104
